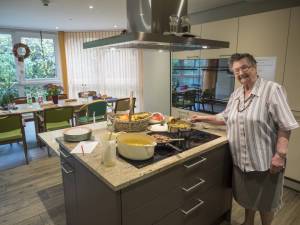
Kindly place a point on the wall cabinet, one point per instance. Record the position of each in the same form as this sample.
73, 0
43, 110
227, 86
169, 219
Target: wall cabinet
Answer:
224, 30
197, 190
265, 34
292, 69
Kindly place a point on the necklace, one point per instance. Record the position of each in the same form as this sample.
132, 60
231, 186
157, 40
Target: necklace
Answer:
245, 106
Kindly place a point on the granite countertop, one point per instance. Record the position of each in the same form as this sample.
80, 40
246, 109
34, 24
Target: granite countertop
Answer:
123, 174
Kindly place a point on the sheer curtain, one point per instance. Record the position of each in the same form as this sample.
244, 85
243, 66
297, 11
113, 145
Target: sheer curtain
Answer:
112, 72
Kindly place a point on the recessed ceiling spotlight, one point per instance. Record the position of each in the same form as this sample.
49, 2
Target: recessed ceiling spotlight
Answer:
56, 28
204, 46
160, 50
91, 7
115, 26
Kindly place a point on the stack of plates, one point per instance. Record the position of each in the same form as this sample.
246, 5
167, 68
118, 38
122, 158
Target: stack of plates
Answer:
77, 134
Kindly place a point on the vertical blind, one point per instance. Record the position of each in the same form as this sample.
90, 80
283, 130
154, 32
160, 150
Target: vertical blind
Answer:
114, 72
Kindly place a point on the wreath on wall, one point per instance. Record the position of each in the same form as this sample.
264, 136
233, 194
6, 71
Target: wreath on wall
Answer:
21, 51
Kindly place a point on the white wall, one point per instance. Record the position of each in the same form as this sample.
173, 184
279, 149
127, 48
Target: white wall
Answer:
156, 83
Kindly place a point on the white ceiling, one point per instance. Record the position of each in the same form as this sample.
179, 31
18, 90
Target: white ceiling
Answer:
75, 15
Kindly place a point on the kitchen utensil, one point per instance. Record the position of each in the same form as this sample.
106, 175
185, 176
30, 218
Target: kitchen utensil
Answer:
136, 146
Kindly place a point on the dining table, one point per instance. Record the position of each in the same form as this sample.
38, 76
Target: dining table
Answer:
39, 107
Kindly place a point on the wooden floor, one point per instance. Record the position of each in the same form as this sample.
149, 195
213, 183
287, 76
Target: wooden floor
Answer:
33, 195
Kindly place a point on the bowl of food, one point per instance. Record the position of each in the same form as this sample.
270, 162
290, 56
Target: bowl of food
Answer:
157, 117
136, 146
176, 125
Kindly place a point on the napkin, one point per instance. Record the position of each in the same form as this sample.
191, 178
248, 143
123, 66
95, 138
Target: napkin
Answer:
86, 146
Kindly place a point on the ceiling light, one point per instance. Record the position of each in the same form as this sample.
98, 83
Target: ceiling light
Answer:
91, 7
113, 49
56, 28
204, 46
115, 26
160, 50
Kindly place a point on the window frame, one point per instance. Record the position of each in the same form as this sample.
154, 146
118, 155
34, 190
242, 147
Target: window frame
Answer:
20, 66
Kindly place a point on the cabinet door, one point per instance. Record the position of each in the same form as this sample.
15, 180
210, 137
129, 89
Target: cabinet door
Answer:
292, 69
96, 202
224, 30
265, 35
68, 175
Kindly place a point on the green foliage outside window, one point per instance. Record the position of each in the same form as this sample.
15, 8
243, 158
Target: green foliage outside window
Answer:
41, 62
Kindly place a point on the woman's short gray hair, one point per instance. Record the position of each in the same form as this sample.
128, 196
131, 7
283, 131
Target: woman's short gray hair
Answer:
238, 56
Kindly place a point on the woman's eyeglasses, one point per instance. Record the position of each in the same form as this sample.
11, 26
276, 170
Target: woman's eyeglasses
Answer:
243, 68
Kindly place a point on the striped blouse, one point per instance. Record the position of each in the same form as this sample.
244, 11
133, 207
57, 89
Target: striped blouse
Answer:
252, 124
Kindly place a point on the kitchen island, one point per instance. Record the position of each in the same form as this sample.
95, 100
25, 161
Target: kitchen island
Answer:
192, 187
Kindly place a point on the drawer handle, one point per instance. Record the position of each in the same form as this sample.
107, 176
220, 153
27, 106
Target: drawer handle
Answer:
186, 213
63, 154
65, 170
196, 163
194, 186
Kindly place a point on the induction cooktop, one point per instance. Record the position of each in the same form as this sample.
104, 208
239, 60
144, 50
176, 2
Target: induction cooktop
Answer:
191, 138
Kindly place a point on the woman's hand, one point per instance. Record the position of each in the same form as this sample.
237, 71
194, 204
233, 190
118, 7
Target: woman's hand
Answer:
196, 118
277, 164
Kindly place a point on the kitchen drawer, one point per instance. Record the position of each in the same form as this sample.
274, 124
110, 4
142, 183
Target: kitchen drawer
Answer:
143, 192
207, 160
203, 209
150, 211
201, 181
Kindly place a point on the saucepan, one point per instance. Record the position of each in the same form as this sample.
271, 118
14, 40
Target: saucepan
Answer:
136, 146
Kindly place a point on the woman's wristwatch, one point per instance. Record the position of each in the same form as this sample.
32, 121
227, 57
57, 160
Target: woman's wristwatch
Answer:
281, 155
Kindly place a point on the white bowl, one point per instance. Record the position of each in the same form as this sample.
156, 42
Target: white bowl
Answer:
136, 146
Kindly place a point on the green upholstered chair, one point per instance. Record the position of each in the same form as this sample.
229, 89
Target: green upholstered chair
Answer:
12, 130
58, 118
87, 112
55, 118
123, 104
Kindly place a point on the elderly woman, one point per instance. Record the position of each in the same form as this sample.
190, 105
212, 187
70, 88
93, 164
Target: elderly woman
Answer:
259, 122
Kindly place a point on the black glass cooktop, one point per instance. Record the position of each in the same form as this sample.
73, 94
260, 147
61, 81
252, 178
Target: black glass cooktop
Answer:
192, 138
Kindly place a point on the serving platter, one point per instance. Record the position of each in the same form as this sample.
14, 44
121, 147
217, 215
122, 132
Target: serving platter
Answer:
76, 134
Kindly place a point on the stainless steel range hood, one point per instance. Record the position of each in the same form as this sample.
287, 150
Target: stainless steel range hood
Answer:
148, 23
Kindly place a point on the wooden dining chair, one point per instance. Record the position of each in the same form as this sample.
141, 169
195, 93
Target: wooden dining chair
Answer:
86, 113
56, 118
123, 104
12, 130
87, 93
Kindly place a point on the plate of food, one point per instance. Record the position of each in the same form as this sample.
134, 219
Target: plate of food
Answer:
156, 118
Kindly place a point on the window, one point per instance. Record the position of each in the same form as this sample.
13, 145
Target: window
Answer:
41, 62
40, 68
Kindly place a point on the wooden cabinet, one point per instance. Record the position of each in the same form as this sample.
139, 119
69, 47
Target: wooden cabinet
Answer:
193, 191
265, 35
292, 69
224, 30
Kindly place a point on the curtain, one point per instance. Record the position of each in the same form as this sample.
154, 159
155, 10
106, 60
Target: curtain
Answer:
114, 72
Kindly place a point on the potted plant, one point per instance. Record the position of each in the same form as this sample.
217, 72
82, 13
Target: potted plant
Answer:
7, 94
53, 91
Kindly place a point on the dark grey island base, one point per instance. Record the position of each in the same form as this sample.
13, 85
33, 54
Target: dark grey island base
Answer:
194, 192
